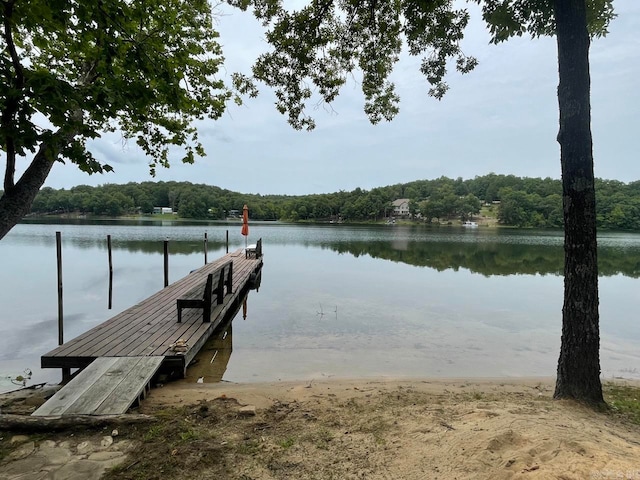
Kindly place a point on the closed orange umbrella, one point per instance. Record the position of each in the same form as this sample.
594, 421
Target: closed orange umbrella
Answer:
245, 224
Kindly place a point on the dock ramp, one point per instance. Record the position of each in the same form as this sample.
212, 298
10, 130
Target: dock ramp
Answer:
108, 386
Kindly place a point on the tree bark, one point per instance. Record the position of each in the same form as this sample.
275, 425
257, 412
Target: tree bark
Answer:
579, 362
16, 202
25, 423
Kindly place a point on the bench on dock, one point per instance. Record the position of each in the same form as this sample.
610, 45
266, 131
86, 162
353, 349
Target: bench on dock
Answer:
254, 250
209, 294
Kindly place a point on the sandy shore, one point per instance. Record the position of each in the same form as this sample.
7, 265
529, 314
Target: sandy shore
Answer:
423, 429
407, 429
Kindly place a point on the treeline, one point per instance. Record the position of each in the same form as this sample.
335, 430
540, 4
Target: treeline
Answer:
517, 201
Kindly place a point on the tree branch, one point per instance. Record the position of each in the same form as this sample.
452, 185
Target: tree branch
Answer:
8, 37
12, 104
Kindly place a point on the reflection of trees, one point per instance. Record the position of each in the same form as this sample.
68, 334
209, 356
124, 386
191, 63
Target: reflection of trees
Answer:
490, 258
176, 247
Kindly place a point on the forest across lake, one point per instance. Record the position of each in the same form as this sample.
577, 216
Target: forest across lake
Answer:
507, 199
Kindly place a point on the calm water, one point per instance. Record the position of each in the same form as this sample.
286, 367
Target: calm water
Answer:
334, 301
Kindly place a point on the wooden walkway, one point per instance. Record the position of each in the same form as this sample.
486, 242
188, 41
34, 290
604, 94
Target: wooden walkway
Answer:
109, 386
149, 328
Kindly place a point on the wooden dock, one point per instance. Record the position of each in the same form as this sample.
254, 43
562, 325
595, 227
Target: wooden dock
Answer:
149, 328
109, 386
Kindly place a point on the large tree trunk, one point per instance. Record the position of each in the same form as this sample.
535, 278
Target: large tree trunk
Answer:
579, 362
16, 201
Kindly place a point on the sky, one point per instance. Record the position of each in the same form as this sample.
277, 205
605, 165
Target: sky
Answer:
501, 118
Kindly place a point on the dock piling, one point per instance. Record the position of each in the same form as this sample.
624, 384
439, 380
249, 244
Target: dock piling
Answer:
60, 307
66, 372
206, 247
110, 272
166, 262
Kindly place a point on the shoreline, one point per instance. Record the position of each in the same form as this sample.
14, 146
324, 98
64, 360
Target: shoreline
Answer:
261, 394
350, 428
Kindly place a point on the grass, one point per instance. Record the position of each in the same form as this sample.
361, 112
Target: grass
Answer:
623, 400
322, 438
287, 443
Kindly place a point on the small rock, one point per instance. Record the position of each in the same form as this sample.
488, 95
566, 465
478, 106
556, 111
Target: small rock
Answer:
122, 446
247, 411
114, 433
84, 448
106, 441
19, 438
103, 456
23, 451
54, 455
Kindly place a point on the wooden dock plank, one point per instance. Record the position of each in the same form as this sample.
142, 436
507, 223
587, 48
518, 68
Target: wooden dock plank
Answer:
147, 317
149, 327
59, 403
141, 313
134, 320
131, 387
131, 320
109, 386
98, 392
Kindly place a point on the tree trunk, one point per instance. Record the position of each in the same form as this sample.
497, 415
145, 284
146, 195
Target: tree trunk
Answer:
579, 362
25, 423
16, 202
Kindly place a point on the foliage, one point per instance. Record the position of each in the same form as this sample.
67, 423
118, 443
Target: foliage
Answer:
145, 68
73, 70
507, 19
521, 202
317, 47
325, 42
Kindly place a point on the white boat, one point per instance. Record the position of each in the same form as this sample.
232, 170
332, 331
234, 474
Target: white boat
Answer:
470, 224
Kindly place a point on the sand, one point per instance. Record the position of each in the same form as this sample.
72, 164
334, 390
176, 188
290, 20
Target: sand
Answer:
414, 429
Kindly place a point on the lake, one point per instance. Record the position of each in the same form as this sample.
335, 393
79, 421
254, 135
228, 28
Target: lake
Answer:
335, 300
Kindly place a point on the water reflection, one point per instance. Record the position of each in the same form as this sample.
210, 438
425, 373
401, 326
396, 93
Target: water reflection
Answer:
489, 258
484, 251
210, 365
338, 300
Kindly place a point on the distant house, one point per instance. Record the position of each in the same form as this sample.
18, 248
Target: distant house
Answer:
162, 210
401, 207
233, 213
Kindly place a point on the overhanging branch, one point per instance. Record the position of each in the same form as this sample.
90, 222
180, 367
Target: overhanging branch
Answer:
12, 102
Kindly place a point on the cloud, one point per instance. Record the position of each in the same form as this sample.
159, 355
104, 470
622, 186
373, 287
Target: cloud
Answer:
502, 117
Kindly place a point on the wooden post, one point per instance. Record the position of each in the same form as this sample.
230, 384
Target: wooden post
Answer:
60, 315
66, 372
227, 241
110, 272
166, 263
206, 247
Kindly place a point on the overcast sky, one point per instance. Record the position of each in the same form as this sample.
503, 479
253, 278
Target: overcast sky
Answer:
501, 118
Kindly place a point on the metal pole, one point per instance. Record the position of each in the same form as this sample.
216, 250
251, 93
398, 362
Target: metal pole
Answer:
206, 247
227, 241
110, 272
166, 263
